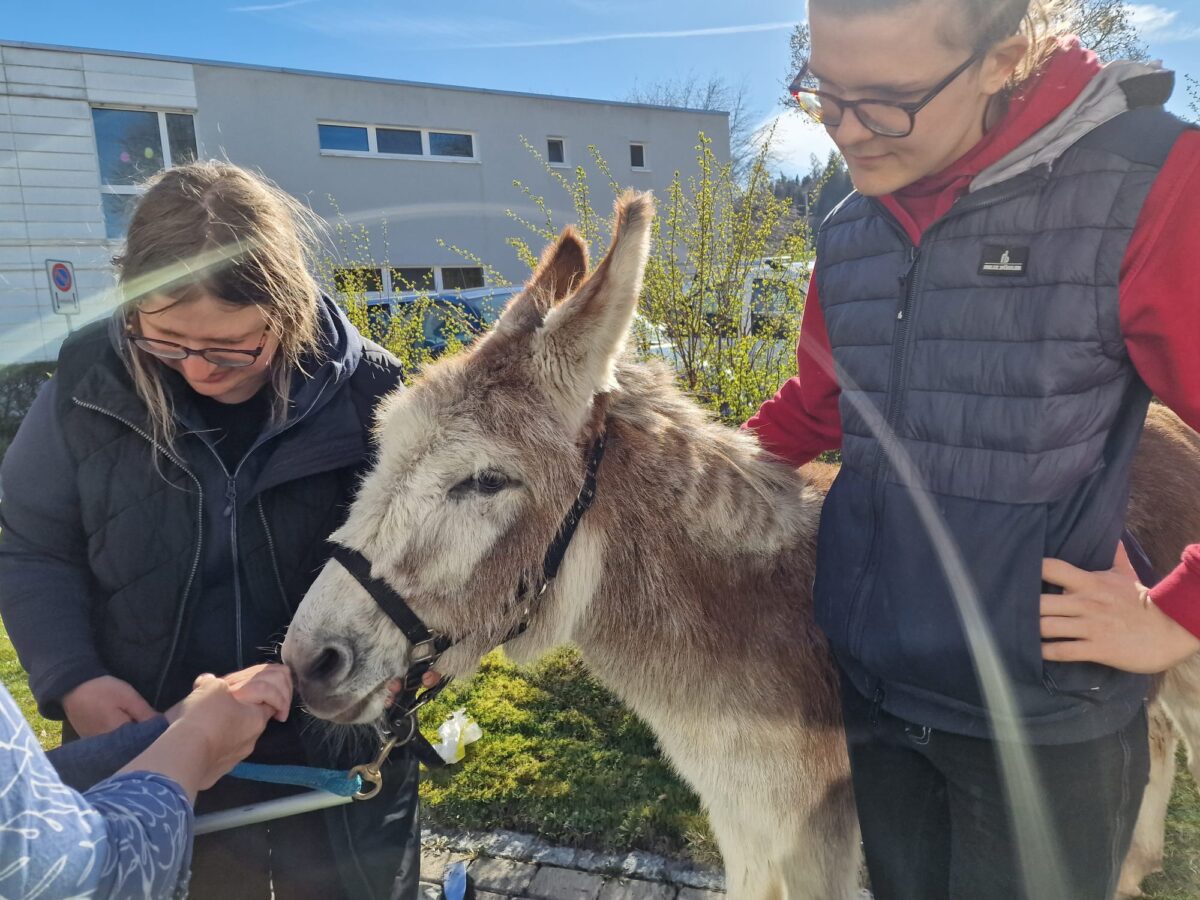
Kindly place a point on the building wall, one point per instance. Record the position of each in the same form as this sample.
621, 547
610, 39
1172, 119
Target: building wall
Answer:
50, 181
50, 198
269, 119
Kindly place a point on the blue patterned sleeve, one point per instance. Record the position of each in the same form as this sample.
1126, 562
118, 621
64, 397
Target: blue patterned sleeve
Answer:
130, 836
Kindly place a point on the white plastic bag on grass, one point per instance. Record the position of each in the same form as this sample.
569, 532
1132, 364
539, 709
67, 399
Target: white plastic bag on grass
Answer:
454, 734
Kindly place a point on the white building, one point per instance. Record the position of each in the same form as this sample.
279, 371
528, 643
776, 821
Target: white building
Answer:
412, 163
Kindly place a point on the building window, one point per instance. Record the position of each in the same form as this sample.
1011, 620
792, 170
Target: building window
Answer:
358, 280
343, 137
443, 143
413, 278
556, 151
403, 141
132, 145
374, 283
463, 278
380, 140
637, 156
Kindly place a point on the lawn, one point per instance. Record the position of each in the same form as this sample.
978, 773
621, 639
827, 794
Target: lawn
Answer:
560, 758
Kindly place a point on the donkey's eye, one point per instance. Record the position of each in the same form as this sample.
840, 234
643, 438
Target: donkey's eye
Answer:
491, 481
487, 482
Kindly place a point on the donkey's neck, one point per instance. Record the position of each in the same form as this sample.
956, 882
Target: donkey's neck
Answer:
709, 487
697, 554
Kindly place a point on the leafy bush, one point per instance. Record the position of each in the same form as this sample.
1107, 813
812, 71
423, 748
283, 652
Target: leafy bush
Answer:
19, 384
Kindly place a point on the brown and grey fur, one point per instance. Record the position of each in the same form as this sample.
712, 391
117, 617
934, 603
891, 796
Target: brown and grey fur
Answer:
1164, 515
686, 587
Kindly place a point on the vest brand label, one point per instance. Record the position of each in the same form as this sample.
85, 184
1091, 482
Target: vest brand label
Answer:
1004, 260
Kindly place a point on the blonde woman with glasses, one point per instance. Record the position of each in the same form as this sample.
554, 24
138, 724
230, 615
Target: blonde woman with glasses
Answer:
166, 502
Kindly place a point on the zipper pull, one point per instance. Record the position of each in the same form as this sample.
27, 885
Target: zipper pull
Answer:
876, 704
230, 497
906, 280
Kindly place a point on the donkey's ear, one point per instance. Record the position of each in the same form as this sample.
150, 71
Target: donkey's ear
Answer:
578, 346
562, 268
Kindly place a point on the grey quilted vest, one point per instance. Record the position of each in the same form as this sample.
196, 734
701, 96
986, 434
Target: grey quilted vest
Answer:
990, 413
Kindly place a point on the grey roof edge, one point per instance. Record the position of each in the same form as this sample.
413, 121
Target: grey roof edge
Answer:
284, 70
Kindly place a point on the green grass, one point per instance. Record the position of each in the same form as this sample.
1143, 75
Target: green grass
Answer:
1180, 878
561, 758
13, 676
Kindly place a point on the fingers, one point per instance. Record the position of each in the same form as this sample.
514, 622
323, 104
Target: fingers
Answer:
431, 678
1064, 605
1063, 574
1059, 627
136, 706
270, 685
236, 679
1068, 651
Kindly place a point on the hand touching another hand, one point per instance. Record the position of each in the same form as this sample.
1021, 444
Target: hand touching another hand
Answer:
217, 725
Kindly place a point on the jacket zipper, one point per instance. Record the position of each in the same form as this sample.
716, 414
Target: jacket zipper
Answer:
231, 513
262, 515
162, 678
897, 391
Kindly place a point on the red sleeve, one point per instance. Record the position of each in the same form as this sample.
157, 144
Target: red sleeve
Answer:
1178, 595
803, 420
1160, 320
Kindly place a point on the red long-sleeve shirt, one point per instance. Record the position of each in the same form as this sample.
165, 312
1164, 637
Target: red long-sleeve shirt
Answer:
1159, 295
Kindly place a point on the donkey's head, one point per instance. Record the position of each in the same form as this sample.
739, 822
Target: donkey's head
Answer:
478, 463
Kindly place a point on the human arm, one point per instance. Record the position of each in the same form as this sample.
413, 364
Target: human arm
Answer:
85, 762
1107, 617
803, 419
128, 837
45, 577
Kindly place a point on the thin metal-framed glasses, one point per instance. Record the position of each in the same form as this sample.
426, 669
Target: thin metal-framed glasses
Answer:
224, 357
886, 118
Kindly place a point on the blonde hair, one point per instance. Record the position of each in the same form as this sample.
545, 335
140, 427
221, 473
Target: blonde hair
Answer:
989, 22
214, 228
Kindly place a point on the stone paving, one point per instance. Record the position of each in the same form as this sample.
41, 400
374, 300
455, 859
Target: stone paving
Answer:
509, 866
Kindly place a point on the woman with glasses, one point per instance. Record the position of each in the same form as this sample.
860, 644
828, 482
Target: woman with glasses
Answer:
990, 313
166, 502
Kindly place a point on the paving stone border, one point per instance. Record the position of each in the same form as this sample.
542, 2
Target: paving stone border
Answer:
506, 865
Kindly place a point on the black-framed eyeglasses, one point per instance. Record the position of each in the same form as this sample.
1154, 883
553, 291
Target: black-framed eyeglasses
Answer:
224, 357
886, 118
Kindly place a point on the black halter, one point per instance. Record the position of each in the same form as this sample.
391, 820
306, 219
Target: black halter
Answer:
400, 720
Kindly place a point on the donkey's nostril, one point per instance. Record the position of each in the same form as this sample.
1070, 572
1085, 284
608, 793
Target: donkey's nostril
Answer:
328, 663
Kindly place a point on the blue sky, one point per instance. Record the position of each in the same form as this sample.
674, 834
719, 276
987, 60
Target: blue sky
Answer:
582, 48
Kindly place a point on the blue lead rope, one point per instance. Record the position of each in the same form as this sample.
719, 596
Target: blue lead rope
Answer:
335, 782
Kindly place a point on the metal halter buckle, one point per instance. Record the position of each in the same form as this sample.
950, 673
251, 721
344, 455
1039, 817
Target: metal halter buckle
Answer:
427, 655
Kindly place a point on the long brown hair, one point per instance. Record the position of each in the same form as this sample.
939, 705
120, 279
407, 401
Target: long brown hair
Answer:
214, 228
988, 22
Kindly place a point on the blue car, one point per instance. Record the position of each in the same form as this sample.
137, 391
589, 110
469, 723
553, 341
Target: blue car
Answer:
461, 315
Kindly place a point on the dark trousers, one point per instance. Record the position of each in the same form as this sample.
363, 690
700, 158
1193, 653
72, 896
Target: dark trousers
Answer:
937, 823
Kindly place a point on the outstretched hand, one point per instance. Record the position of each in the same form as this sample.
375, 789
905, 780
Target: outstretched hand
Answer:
1109, 618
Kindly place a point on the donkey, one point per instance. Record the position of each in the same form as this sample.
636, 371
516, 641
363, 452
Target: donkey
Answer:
686, 587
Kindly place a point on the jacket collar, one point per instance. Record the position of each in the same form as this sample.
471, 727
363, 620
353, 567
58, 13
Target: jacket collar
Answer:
1109, 94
